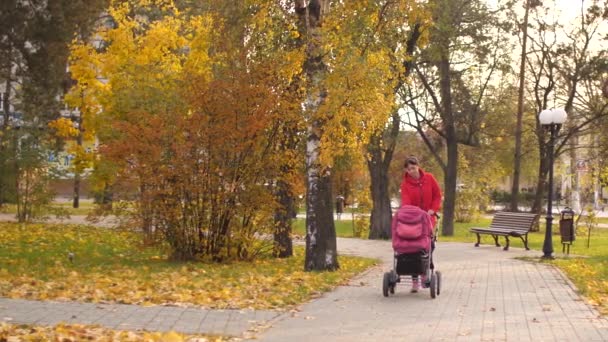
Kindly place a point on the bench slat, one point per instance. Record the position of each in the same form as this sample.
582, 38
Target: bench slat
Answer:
498, 232
517, 218
510, 227
514, 221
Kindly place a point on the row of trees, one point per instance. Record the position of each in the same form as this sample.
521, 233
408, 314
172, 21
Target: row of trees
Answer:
464, 94
212, 117
34, 47
206, 130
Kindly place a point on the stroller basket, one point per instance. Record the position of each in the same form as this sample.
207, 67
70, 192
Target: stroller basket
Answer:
412, 263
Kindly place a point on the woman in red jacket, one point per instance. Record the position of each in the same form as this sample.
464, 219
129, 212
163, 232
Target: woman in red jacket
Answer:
420, 189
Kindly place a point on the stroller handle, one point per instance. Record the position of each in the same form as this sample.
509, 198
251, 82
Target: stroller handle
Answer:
435, 230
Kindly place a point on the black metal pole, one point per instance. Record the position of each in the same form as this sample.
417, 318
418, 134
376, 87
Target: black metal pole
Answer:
548, 243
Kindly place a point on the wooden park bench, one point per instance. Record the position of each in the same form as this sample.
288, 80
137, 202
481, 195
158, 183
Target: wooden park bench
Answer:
508, 224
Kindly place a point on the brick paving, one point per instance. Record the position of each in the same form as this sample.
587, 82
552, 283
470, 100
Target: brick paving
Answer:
134, 317
487, 295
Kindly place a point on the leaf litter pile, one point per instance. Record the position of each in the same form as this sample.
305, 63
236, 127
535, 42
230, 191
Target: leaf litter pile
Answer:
84, 263
77, 332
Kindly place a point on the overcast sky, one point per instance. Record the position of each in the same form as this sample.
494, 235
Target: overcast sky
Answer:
566, 10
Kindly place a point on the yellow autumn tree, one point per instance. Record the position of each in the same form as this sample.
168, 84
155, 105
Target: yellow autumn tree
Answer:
350, 74
191, 112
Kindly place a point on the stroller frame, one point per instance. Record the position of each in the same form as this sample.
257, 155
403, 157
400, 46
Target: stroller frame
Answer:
408, 265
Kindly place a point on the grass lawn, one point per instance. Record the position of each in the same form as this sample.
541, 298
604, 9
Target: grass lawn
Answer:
344, 228
61, 207
589, 273
78, 332
603, 220
112, 266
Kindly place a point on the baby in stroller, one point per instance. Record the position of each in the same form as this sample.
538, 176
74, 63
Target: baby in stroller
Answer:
413, 243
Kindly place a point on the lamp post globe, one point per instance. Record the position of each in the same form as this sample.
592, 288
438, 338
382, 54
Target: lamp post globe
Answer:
545, 117
559, 116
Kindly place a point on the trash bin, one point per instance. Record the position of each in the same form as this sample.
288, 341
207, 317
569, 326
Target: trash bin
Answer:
566, 228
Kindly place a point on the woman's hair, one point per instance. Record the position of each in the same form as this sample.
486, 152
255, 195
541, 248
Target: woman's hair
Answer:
411, 160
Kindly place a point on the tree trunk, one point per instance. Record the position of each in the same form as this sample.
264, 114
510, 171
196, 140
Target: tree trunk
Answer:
146, 214
597, 185
520, 114
597, 192
575, 196
321, 249
379, 164
283, 219
451, 139
76, 202
380, 220
3, 142
449, 195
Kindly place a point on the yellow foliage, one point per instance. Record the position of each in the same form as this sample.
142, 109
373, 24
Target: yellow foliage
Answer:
82, 159
64, 128
363, 45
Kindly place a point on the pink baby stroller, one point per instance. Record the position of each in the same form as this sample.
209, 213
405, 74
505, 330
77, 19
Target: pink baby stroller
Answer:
413, 243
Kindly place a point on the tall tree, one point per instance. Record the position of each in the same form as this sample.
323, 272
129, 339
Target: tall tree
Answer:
189, 110
382, 144
321, 250
445, 105
347, 98
529, 4
562, 73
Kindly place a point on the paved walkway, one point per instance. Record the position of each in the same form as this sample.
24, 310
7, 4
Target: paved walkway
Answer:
109, 221
134, 317
486, 296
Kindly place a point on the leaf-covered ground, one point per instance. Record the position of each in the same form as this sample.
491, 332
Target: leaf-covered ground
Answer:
77, 332
589, 273
111, 266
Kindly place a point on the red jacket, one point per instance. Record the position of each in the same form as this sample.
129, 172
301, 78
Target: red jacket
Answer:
423, 192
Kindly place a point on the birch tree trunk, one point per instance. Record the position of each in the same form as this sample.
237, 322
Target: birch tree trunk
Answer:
321, 251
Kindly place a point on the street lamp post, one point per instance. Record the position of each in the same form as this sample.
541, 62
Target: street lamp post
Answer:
552, 120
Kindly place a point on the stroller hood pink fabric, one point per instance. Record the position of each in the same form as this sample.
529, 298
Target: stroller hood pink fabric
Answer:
412, 230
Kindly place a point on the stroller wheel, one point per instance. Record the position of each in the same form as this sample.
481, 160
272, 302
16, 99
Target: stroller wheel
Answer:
438, 275
433, 285
386, 284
